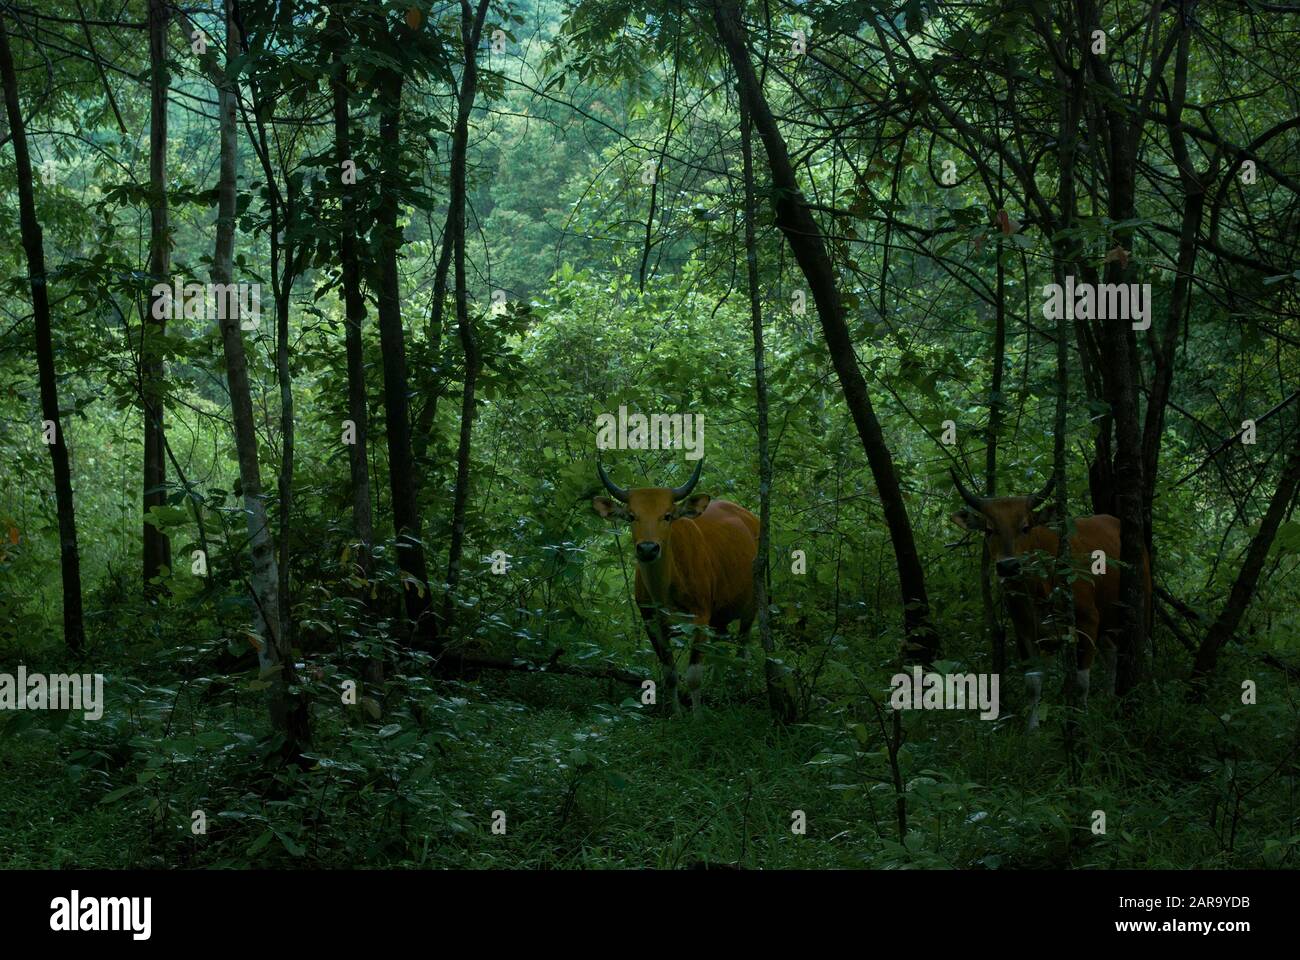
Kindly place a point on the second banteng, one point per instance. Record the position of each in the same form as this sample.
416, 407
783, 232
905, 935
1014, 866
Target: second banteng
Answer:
1022, 549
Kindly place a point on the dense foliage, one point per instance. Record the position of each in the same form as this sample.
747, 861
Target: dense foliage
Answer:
956, 159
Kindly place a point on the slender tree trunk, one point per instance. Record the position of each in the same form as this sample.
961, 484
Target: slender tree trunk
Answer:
355, 310
996, 634
1067, 252
354, 306
471, 25
285, 252
74, 630
1128, 495
401, 469
423, 431
157, 547
804, 236
1120, 374
1243, 588
774, 672
1164, 349
283, 374
289, 714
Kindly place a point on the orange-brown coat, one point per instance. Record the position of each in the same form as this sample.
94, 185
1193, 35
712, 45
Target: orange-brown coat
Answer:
1022, 550
694, 557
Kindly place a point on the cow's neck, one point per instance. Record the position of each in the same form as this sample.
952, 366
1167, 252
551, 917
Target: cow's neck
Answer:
1025, 591
658, 576
1047, 540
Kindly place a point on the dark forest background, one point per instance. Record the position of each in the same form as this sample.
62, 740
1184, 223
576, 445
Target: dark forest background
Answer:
477, 226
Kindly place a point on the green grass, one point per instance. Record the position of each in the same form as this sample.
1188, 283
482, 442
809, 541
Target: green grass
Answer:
587, 779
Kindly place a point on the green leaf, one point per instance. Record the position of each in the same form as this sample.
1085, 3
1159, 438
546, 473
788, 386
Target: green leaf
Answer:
267, 836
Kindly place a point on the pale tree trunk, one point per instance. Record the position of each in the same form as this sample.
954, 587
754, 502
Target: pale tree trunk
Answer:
286, 249
775, 674
802, 233
74, 630
288, 713
157, 548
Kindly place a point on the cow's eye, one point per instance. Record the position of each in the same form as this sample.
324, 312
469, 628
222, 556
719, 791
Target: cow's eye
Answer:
668, 516
1025, 528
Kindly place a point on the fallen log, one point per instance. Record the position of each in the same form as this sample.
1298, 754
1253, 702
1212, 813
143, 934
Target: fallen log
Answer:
602, 671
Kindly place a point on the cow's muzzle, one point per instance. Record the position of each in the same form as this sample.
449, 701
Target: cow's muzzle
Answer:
1008, 566
647, 551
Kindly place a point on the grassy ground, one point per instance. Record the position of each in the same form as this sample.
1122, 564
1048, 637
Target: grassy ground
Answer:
585, 778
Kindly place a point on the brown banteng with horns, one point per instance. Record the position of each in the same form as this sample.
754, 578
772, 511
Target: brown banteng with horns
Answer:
1023, 549
695, 557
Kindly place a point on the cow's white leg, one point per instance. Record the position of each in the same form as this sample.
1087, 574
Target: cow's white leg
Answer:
1081, 684
670, 689
742, 639
694, 683
1034, 688
1110, 654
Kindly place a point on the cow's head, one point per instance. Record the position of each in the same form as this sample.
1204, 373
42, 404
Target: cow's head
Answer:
1006, 522
651, 511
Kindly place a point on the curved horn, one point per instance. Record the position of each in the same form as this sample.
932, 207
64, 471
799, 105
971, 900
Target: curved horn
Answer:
617, 492
1043, 494
966, 495
685, 490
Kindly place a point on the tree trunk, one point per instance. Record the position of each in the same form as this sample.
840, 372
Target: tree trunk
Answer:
997, 636
1120, 372
157, 547
471, 25
74, 629
423, 431
804, 236
289, 714
284, 482
1164, 349
354, 306
775, 673
1067, 252
1243, 588
401, 469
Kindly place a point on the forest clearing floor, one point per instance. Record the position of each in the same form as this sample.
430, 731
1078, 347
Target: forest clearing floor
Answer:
519, 771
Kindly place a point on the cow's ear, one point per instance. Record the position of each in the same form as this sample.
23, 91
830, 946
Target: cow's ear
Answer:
968, 520
609, 509
693, 506
1046, 517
